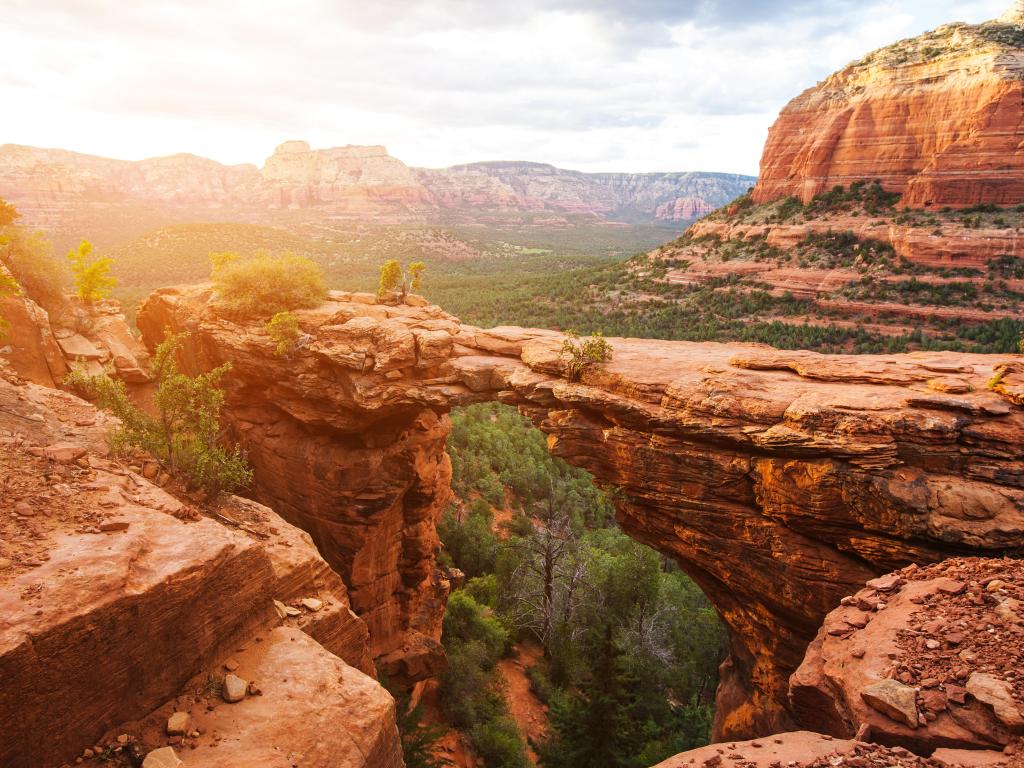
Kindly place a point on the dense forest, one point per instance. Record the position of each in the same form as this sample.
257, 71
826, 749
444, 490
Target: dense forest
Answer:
630, 645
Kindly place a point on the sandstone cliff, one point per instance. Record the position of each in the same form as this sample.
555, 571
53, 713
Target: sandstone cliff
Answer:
937, 118
121, 604
780, 481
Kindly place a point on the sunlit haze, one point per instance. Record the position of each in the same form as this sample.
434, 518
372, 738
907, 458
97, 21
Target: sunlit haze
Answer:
607, 85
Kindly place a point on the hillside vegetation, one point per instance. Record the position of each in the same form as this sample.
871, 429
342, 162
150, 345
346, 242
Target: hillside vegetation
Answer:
631, 645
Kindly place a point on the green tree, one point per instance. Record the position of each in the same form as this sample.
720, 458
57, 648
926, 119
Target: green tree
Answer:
93, 280
395, 279
8, 287
265, 284
8, 213
185, 435
390, 278
416, 270
283, 329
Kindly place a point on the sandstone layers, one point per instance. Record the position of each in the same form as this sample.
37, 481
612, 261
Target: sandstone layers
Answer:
936, 118
118, 599
51, 186
781, 481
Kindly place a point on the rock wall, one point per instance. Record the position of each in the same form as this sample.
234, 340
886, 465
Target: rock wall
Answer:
937, 118
780, 481
94, 337
118, 599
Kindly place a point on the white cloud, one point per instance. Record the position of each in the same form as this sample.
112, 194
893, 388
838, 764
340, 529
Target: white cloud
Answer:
605, 85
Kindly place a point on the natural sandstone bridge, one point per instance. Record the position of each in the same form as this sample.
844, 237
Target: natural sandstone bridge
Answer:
780, 481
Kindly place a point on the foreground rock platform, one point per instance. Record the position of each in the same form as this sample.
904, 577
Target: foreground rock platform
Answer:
925, 658
806, 749
311, 709
115, 593
781, 481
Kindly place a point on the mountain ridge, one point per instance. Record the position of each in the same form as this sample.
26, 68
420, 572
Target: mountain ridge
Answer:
354, 180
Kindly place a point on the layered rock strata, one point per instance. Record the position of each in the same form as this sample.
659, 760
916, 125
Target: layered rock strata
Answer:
780, 481
949, 245
114, 595
936, 118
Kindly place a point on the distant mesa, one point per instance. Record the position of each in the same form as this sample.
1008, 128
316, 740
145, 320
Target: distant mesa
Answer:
51, 187
936, 118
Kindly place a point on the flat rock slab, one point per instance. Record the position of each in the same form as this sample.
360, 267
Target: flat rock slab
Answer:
314, 710
77, 346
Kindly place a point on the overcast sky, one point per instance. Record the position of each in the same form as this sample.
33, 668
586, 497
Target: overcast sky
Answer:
619, 85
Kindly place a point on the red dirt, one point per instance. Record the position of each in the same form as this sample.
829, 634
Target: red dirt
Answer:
530, 714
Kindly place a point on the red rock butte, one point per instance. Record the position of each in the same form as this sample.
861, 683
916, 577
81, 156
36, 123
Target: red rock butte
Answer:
937, 118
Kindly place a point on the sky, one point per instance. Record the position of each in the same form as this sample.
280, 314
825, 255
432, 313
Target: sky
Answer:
598, 85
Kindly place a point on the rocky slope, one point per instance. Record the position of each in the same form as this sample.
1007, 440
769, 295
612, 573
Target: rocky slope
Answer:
925, 660
52, 186
936, 118
119, 601
94, 337
890, 206
780, 481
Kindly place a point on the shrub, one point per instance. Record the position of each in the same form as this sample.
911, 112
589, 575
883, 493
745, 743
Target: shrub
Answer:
789, 208
264, 284
184, 436
8, 213
390, 277
471, 543
93, 280
283, 329
581, 354
30, 259
466, 621
8, 287
499, 743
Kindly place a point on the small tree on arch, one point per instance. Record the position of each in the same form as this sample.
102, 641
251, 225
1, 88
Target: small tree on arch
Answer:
580, 354
395, 279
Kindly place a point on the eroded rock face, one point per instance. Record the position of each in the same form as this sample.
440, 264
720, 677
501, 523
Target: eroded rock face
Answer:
950, 245
781, 481
947, 643
94, 337
936, 118
115, 594
804, 749
28, 344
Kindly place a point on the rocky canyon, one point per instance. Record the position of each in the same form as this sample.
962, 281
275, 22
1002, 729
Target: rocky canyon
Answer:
856, 520
781, 481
